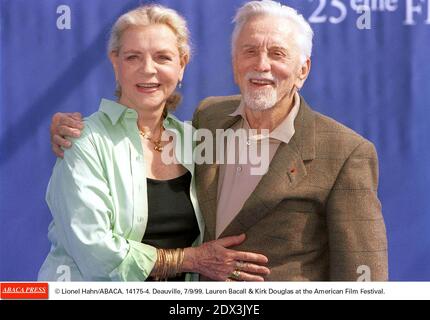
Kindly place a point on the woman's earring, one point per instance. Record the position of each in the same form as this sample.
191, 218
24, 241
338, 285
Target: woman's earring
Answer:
180, 84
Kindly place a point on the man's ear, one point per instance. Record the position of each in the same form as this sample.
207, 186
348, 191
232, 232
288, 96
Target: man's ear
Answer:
303, 73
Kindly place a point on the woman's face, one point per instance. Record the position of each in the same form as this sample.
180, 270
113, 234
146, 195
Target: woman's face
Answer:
147, 66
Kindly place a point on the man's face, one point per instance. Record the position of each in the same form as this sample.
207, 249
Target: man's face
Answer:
266, 63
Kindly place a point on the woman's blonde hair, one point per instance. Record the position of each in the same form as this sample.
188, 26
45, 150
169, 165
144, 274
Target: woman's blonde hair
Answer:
149, 15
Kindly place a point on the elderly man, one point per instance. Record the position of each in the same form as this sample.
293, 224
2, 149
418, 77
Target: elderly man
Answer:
315, 213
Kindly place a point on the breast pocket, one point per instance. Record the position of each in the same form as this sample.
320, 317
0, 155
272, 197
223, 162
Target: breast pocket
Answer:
299, 224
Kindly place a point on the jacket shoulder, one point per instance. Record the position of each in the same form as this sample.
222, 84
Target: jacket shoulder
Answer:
340, 138
218, 104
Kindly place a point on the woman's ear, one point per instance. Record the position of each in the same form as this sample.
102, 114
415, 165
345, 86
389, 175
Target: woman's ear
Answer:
183, 62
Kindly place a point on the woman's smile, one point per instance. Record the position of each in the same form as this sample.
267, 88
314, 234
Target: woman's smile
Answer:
148, 87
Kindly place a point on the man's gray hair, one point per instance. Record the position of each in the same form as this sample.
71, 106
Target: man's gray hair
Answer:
303, 34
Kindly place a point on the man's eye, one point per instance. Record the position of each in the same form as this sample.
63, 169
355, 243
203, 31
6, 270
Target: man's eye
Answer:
278, 54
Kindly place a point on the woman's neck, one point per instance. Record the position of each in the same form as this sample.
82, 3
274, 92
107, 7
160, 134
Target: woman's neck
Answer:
149, 121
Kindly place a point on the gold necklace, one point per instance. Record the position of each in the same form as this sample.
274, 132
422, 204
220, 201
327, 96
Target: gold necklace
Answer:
157, 143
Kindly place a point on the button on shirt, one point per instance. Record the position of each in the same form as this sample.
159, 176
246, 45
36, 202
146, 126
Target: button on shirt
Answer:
237, 181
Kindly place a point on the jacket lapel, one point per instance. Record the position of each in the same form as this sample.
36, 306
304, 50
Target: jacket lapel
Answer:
207, 178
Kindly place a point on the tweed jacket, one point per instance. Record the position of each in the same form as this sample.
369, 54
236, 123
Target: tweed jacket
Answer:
315, 214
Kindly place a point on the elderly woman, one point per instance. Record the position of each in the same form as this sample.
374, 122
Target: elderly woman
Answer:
119, 212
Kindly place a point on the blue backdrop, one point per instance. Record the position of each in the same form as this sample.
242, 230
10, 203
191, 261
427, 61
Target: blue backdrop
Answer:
376, 81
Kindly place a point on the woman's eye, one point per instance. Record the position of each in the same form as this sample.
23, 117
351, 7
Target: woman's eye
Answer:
165, 58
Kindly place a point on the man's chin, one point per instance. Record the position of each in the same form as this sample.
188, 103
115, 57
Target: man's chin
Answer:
260, 103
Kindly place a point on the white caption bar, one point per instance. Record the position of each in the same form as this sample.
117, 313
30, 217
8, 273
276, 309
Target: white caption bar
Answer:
240, 291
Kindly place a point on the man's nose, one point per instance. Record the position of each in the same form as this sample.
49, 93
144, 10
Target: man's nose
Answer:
263, 63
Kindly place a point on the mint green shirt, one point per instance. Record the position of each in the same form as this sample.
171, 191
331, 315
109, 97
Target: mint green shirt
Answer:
98, 199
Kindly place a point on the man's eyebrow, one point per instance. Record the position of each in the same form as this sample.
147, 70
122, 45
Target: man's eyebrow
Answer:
279, 48
276, 47
247, 46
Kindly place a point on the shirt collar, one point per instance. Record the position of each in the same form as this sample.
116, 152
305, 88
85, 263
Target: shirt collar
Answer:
113, 110
285, 130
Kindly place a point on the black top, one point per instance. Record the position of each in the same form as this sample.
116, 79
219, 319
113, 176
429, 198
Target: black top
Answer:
172, 221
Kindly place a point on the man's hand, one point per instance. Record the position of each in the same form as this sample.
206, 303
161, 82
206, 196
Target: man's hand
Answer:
65, 125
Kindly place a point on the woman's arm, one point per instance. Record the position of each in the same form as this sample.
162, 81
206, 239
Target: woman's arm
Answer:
82, 206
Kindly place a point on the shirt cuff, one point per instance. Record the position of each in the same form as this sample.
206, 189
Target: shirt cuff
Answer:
138, 263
